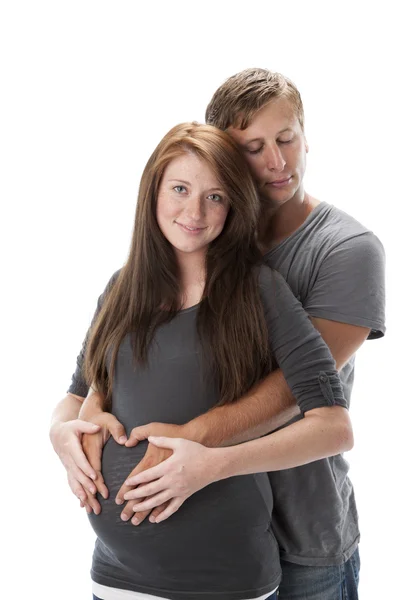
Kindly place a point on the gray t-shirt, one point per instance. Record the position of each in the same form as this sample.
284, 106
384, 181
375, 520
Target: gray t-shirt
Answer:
335, 267
219, 544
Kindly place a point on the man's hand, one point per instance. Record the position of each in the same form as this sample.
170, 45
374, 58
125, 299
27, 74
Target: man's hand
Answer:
153, 457
190, 468
93, 447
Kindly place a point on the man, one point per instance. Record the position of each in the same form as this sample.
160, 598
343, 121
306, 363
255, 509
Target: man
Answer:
335, 267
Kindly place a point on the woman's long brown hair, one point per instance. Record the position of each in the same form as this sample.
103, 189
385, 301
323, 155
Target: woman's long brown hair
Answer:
147, 291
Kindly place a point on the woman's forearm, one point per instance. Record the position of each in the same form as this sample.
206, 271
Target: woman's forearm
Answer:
67, 409
321, 433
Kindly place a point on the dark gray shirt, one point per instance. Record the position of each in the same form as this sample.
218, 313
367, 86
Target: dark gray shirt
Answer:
335, 267
219, 544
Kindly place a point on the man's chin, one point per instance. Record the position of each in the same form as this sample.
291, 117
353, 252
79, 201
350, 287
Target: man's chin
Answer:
270, 202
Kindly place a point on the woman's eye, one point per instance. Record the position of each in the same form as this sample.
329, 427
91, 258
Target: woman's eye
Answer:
285, 141
179, 189
215, 197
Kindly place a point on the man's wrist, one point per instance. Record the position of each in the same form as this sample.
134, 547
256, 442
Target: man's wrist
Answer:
206, 429
92, 406
196, 432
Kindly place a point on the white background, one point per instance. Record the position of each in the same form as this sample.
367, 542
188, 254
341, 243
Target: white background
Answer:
87, 90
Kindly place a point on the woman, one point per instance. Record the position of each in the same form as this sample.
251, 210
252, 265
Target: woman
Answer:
187, 323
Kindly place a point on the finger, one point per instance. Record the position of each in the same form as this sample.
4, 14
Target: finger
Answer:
164, 442
88, 508
101, 486
145, 490
152, 502
139, 517
158, 510
77, 455
132, 440
86, 427
117, 430
148, 475
93, 453
127, 512
119, 498
93, 503
138, 434
80, 477
171, 508
76, 488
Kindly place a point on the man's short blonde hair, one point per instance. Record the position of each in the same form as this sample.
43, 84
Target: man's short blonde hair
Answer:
238, 99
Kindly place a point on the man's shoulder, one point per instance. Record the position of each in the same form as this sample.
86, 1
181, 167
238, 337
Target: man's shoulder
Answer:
336, 221
332, 227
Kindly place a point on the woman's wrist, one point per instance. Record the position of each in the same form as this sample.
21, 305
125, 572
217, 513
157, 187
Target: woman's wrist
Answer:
222, 462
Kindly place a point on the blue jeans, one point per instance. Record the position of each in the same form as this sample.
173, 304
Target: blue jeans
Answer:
339, 582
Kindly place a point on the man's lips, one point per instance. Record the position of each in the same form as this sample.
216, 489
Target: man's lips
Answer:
280, 182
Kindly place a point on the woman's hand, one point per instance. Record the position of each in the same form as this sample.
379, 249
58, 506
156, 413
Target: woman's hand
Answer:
66, 438
190, 468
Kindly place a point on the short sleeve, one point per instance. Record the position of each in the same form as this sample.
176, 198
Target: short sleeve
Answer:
78, 386
298, 348
350, 285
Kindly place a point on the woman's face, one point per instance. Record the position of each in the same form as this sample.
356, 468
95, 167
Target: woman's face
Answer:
191, 206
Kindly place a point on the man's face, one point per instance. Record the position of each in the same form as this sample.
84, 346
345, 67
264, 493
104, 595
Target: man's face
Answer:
275, 149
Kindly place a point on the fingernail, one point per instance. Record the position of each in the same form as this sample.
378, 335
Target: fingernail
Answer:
122, 439
135, 521
118, 501
152, 519
124, 517
93, 476
93, 490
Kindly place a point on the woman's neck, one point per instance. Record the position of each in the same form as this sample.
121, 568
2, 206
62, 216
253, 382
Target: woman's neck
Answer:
192, 276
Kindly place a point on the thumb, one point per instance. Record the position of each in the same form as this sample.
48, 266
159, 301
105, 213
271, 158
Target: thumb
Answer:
138, 434
164, 442
116, 429
86, 427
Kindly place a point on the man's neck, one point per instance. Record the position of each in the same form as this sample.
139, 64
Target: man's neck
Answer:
286, 220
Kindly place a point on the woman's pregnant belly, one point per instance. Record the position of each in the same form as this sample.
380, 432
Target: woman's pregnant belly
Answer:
220, 534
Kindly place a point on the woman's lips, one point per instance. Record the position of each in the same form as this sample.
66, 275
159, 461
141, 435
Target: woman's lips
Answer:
190, 230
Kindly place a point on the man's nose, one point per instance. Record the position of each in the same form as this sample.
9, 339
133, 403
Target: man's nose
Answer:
274, 159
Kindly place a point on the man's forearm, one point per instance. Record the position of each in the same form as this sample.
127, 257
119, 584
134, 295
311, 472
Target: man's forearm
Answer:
269, 405
93, 403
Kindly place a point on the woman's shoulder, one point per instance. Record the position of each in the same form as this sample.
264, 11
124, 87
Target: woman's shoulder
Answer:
275, 291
